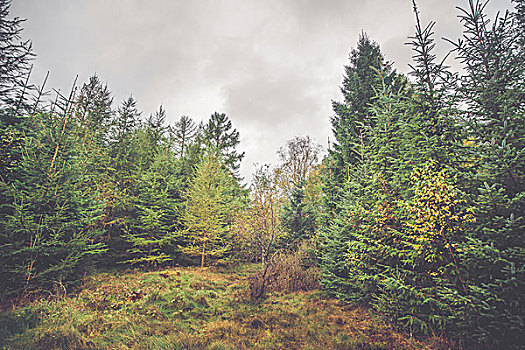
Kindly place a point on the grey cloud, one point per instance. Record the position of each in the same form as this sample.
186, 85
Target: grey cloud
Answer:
274, 66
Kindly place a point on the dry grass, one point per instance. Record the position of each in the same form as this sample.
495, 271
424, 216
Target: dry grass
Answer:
192, 308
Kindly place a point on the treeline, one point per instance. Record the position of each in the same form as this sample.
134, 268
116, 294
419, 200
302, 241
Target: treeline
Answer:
425, 184
87, 184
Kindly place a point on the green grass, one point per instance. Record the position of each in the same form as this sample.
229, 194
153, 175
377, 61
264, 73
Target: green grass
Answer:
190, 308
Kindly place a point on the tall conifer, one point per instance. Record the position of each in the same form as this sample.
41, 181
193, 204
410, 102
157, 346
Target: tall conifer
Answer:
220, 136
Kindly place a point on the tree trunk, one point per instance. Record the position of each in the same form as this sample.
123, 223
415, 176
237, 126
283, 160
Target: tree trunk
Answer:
202, 255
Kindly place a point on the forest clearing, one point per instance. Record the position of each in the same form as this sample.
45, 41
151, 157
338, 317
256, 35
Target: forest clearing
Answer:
194, 308
121, 230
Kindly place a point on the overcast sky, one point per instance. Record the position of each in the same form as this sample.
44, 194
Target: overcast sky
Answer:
273, 66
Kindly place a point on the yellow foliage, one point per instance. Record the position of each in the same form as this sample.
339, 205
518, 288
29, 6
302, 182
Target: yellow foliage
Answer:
438, 214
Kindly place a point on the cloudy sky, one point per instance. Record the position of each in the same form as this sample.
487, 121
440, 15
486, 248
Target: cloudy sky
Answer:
273, 66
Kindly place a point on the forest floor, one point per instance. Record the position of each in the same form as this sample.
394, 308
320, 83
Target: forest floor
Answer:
193, 308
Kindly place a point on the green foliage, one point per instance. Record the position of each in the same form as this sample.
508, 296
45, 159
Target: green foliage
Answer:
208, 205
126, 120
429, 224
50, 213
183, 132
352, 115
15, 60
420, 213
493, 88
93, 105
152, 232
218, 134
298, 219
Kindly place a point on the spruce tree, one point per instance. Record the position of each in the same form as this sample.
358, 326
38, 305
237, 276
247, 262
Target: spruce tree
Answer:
15, 61
15, 65
92, 116
346, 166
51, 212
352, 115
297, 219
126, 120
93, 105
428, 229
122, 147
156, 125
151, 233
493, 88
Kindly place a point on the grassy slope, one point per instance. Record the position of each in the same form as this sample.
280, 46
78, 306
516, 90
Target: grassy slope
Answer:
189, 308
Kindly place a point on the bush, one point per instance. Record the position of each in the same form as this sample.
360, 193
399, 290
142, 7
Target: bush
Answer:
287, 271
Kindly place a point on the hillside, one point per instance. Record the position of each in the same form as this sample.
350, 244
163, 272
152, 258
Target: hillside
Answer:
192, 308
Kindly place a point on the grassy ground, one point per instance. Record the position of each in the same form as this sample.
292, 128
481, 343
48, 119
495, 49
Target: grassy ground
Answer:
190, 308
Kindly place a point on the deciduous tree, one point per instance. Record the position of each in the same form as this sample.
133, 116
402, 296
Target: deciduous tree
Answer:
207, 212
